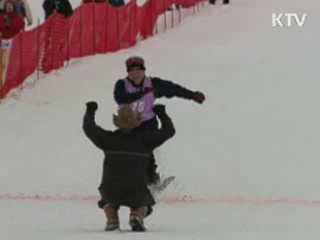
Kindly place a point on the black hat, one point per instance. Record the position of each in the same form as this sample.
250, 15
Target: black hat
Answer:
135, 62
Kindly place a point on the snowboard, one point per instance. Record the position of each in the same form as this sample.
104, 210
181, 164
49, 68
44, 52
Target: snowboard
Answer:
162, 185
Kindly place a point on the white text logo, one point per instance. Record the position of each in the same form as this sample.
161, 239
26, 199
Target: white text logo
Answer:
288, 19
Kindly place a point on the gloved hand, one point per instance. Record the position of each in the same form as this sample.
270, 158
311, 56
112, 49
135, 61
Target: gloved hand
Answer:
198, 97
92, 106
153, 178
159, 109
148, 90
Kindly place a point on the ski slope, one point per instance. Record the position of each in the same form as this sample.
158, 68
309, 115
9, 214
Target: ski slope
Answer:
246, 161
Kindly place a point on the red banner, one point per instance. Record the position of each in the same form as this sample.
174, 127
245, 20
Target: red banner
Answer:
56, 43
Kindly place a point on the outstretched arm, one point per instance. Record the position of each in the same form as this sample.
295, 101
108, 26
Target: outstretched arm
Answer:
95, 133
165, 88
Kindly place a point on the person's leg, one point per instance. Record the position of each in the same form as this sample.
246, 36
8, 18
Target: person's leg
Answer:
104, 200
110, 210
112, 217
136, 219
150, 202
153, 176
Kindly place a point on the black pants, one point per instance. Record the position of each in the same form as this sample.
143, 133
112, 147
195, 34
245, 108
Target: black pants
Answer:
149, 200
151, 124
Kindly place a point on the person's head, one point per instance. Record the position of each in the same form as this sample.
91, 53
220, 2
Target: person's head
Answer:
127, 119
136, 69
9, 6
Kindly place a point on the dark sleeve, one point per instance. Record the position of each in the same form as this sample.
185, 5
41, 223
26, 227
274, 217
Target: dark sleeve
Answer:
67, 9
121, 96
48, 8
95, 133
155, 138
169, 89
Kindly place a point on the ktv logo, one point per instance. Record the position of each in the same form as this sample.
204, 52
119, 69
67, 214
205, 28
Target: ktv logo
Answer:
288, 19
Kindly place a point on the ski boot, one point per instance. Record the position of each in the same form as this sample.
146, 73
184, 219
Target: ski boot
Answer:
136, 223
112, 227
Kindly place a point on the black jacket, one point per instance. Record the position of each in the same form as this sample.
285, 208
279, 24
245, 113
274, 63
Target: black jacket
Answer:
60, 6
164, 88
127, 155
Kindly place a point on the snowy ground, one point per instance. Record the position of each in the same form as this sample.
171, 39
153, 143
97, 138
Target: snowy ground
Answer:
248, 157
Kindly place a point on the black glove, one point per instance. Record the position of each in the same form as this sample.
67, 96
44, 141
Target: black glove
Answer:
153, 178
159, 109
148, 90
198, 97
92, 106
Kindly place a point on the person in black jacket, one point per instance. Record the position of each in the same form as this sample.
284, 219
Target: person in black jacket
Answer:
214, 1
127, 153
57, 6
141, 91
116, 3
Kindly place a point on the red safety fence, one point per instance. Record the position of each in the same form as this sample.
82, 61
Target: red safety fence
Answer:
93, 28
